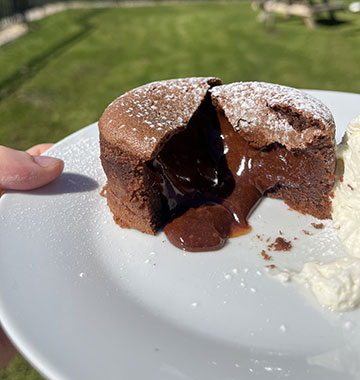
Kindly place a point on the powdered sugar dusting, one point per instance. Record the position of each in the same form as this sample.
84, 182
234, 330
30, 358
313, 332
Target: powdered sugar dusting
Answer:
253, 108
153, 112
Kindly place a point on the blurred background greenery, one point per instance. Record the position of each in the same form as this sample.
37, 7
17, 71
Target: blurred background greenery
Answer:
62, 74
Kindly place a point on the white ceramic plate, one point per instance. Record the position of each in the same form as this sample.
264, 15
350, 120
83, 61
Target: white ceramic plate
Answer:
83, 299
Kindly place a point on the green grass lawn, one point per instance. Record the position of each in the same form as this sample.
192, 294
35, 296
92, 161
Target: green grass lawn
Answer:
63, 73
60, 76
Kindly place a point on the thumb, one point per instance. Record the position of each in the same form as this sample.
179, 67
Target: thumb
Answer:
21, 171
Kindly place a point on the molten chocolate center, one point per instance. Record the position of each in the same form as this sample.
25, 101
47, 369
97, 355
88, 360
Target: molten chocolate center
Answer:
211, 180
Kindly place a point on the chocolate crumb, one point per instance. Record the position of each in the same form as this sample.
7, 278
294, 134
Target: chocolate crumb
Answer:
268, 239
351, 188
271, 266
306, 232
265, 255
280, 232
318, 226
280, 244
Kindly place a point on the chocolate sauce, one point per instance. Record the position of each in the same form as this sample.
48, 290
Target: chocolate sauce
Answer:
212, 179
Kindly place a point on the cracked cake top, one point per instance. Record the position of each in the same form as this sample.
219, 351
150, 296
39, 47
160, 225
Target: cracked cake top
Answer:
143, 119
265, 113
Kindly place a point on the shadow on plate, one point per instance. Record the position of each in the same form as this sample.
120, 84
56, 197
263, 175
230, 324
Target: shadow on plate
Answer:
68, 183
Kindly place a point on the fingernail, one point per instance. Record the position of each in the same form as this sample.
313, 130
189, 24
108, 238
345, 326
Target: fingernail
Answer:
46, 161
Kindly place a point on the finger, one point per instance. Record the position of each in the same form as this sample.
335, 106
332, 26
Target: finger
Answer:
39, 149
7, 350
21, 171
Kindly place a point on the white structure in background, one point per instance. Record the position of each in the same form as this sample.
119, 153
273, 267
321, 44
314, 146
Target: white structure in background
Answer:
9, 31
12, 32
354, 7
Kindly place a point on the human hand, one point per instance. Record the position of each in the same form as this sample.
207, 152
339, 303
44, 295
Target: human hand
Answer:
27, 170
24, 171
7, 350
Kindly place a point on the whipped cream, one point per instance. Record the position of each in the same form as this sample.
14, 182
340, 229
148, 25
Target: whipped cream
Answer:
346, 202
336, 284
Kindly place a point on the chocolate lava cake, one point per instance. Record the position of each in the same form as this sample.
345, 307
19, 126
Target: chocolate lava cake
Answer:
195, 157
